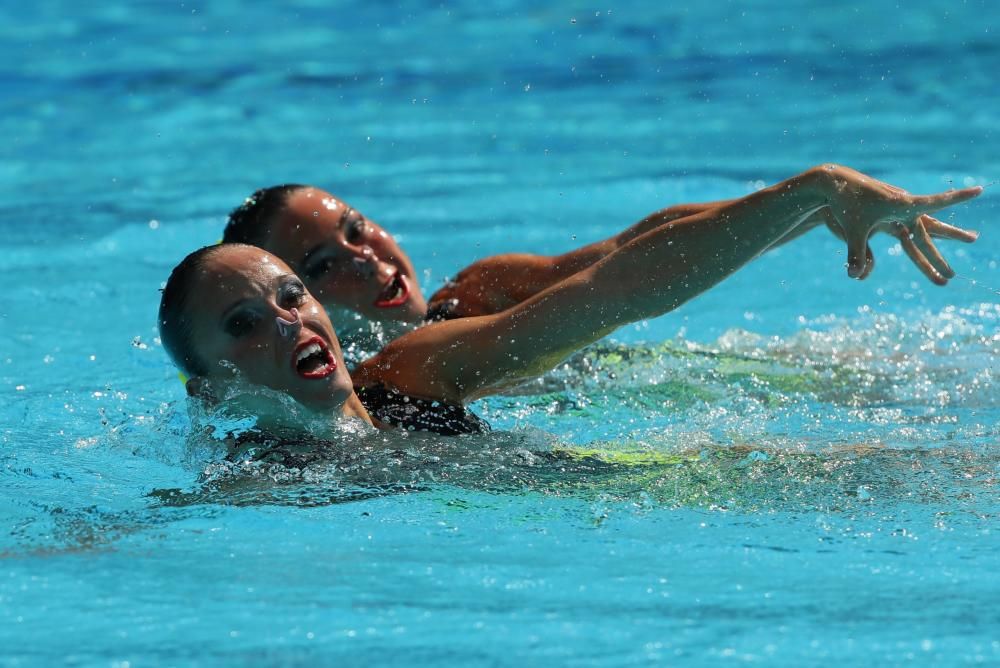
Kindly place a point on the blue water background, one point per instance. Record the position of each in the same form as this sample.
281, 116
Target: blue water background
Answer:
834, 497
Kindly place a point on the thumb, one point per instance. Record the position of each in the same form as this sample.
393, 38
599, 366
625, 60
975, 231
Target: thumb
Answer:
859, 254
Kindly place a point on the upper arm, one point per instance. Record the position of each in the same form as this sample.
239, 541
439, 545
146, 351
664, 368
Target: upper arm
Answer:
496, 283
462, 359
447, 360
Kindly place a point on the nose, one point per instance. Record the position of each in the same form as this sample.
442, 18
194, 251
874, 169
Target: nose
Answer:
364, 262
368, 264
289, 329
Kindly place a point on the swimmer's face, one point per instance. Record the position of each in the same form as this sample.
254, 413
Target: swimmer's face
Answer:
237, 300
345, 259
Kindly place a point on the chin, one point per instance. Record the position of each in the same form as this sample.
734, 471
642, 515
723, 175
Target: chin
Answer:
332, 398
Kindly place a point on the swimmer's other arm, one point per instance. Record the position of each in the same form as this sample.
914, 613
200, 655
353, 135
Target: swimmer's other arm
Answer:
498, 282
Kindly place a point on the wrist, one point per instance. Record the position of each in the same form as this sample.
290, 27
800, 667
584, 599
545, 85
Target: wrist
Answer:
822, 180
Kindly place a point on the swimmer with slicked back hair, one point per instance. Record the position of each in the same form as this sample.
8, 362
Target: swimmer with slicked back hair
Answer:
347, 261
235, 313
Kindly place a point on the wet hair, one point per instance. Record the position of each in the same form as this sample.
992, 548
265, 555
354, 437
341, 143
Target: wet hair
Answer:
250, 222
175, 318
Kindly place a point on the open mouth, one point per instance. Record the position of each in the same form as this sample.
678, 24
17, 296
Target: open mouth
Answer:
313, 359
395, 293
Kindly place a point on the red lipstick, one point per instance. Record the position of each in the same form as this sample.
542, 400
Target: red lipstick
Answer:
395, 293
313, 359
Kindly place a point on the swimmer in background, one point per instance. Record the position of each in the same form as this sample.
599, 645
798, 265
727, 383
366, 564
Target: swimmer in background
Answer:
235, 314
349, 262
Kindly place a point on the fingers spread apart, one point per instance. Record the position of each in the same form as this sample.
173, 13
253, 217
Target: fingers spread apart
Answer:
918, 257
941, 230
926, 245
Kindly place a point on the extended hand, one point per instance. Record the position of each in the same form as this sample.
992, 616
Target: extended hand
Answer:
862, 205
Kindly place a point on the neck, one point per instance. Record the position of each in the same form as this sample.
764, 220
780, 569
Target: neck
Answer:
354, 408
316, 423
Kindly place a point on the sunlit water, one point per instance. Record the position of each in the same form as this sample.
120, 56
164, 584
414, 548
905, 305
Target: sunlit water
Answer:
795, 468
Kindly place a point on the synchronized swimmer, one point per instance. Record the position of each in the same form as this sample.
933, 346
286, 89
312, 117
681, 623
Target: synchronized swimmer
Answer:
260, 310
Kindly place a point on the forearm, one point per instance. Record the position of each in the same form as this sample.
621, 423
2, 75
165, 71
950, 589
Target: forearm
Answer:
579, 259
567, 264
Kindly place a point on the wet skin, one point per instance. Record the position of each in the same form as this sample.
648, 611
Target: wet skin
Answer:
254, 313
242, 294
346, 259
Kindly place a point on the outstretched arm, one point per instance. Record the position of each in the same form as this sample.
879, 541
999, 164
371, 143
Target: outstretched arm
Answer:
498, 282
654, 273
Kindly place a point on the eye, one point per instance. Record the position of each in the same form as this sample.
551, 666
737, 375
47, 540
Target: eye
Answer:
355, 229
241, 324
292, 293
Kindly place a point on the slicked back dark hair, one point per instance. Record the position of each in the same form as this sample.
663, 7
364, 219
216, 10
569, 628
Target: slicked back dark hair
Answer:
250, 222
175, 313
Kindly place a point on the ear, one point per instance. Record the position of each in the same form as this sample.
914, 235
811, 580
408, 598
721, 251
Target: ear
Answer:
199, 388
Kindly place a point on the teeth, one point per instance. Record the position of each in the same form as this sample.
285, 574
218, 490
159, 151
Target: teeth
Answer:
396, 288
311, 349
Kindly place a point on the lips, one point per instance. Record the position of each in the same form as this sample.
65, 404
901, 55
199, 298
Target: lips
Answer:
313, 359
395, 293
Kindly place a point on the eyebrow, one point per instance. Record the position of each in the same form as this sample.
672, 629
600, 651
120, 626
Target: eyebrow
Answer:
281, 280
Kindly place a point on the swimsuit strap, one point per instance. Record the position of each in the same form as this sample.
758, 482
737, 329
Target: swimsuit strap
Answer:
442, 311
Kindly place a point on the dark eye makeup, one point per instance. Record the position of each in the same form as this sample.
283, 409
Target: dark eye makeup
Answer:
244, 318
291, 293
355, 227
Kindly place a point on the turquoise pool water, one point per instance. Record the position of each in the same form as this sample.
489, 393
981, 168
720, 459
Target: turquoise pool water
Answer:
793, 469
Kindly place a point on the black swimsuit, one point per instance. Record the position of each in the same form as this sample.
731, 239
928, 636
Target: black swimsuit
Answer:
386, 406
414, 414
442, 311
